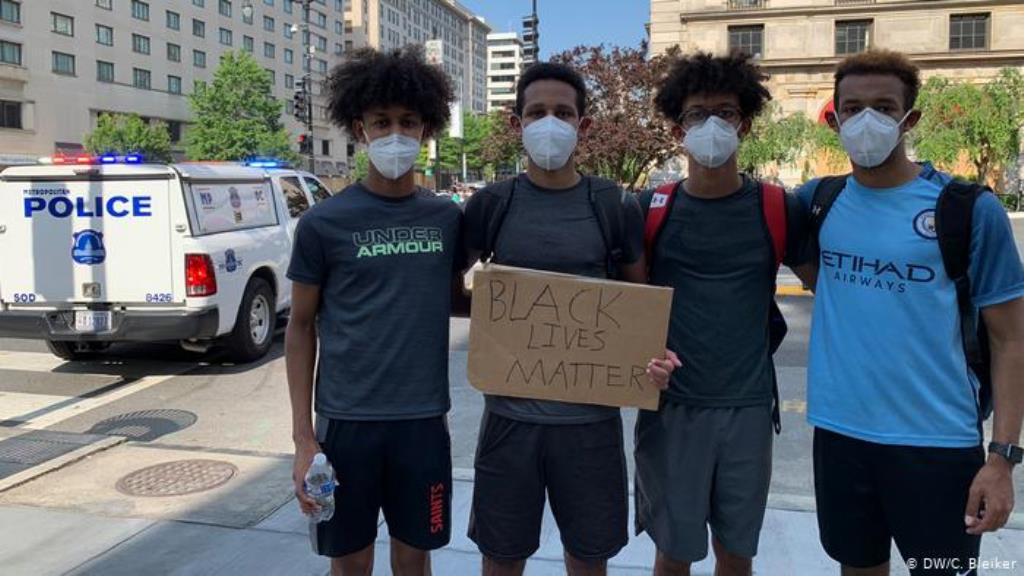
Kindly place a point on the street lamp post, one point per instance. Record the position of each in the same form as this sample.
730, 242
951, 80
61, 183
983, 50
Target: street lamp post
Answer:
307, 80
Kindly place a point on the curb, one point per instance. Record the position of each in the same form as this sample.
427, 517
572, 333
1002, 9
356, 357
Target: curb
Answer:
59, 462
1015, 215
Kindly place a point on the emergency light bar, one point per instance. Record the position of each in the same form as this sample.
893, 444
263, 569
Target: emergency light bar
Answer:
266, 163
88, 159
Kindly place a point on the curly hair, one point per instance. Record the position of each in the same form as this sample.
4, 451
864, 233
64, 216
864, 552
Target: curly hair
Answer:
370, 79
552, 71
702, 73
884, 63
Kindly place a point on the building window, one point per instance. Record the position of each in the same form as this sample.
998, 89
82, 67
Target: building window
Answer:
10, 114
199, 58
321, 19
268, 24
339, 5
321, 66
174, 131
64, 63
140, 44
10, 53
289, 82
338, 27
852, 36
269, 50
141, 78
968, 31
104, 35
325, 147
173, 52
247, 18
289, 56
268, 2
105, 4
225, 8
289, 107
749, 39
226, 37
61, 24
339, 49
10, 11
104, 71
288, 34
140, 10
174, 84
247, 44
272, 76
173, 20
198, 28
288, 6
199, 3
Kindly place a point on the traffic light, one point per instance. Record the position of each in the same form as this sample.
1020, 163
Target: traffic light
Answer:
305, 144
301, 102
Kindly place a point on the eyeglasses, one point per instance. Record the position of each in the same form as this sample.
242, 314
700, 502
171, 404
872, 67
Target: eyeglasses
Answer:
695, 116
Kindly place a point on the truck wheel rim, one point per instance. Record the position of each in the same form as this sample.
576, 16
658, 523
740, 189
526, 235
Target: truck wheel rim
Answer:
259, 319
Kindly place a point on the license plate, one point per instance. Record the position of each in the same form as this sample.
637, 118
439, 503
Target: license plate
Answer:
92, 321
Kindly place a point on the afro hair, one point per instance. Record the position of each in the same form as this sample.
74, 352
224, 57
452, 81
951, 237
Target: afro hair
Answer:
369, 79
883, 63
702, 73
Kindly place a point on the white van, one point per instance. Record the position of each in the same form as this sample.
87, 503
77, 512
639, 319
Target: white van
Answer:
101, 250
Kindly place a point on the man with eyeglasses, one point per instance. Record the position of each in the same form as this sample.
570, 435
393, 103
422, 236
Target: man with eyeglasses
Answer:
704, 458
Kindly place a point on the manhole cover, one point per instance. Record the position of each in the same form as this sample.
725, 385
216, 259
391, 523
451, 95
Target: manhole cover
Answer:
177, 478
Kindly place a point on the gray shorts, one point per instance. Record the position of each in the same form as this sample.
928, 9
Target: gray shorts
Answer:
703, 466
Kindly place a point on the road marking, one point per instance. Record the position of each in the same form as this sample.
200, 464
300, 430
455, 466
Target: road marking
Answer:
86, 404
13, 404
29, 361
793, 291
797, 406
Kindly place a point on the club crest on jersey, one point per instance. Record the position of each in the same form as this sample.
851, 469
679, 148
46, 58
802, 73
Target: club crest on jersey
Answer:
924, 224
659, 201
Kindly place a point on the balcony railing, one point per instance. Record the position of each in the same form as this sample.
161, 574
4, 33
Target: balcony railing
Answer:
853, 2
747, 4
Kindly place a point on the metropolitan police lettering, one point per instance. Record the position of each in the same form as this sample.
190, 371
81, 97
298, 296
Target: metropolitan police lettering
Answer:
56, 201
399, 240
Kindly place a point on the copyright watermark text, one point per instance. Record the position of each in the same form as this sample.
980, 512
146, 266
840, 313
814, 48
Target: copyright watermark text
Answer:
963, 567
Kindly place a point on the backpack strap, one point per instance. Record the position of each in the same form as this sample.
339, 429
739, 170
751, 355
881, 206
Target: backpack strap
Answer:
494, 208
825, 194
954, 215
657, 214
773, 204
608, 202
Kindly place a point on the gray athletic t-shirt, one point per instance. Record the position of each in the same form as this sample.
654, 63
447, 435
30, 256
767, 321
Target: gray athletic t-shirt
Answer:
716, 254
557, 231
385, 269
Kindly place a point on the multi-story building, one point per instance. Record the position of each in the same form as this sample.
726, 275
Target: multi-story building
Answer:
63, 62
505, 64
799, 42
392, 24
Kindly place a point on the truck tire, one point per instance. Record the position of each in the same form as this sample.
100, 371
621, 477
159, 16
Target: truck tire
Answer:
75, 351
254, 328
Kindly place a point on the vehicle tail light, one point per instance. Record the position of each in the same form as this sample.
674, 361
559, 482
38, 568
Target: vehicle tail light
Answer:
200, 276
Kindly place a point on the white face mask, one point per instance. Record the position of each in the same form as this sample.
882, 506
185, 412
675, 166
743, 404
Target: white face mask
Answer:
394, 155
869, 137
550, 142
712, 143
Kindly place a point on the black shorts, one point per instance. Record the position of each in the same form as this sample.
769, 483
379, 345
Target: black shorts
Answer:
401, 466
581, 467
870, 494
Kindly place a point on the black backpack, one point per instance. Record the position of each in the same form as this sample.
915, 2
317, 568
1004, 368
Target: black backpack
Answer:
954, 213
606, 199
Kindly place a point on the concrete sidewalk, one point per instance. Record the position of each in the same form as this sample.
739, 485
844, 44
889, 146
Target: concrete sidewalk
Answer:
40, 541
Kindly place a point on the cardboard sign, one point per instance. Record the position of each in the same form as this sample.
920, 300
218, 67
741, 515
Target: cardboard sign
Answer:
559, 337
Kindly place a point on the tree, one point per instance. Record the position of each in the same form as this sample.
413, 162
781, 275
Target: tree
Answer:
477, 131
361, 165
981, 124
628, 136
503, 148
236, 116
777, 140
128, 134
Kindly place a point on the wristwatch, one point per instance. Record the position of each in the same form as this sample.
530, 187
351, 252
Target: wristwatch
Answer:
1011, 452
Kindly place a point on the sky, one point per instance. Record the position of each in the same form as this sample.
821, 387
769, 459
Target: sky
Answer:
565, 24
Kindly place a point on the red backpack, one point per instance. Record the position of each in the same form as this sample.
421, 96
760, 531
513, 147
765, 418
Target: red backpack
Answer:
773, 208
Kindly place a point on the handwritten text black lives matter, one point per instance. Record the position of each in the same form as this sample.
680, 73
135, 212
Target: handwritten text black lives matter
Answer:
579, 322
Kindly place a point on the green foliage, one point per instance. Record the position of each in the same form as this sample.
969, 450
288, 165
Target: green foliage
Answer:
127, 133
777, 140
362, 165
236, 116
478, 133
979, 123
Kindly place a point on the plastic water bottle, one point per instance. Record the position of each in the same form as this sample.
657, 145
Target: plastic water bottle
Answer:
320, 484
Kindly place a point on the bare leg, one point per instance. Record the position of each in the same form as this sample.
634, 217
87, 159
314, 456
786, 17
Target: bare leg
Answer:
409, 561
665, 566
880, 570
576, 567
729, 564
494, 567
355, 564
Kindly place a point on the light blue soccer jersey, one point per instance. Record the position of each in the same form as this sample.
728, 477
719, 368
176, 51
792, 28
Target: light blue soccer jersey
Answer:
886, 359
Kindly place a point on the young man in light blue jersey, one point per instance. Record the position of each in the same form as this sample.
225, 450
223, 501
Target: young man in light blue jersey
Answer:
898, 437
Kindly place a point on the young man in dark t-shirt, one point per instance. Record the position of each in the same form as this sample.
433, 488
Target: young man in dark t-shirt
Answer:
532, 450
705, 456
373, 270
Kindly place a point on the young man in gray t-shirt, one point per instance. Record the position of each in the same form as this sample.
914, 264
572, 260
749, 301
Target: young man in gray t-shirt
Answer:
373, 271
529, 450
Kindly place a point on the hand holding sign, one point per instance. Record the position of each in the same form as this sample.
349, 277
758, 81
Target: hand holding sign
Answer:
559, 337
